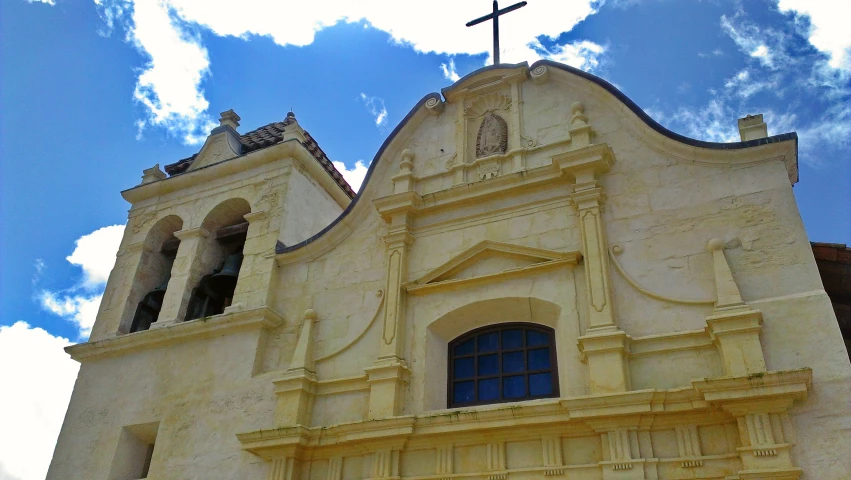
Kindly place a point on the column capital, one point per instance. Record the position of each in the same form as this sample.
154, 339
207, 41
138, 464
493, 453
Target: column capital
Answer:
587, 198
585, 164
134, 248
254, 217
398, 239
192, 233
404, 202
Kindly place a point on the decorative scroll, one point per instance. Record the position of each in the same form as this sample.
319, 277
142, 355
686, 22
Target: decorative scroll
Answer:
493, 136
616, 250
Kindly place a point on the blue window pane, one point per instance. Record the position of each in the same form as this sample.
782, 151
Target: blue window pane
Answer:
489, 342
540, 384
463, 367
489, 389
539, 359
514, 387
534, 339
489, 364
512, 339
463, 392
466, 348
512, 362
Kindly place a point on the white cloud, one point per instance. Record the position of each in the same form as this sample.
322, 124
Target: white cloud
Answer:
49, 2
829, 31
449, 72
715, 53
92, 254
95, 254
584, 55
715, 122
82, 310
375, 106
744, 85
354, 176
169, 86
37, 379
764, 44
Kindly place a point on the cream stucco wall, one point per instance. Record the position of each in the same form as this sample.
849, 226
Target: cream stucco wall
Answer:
678, 357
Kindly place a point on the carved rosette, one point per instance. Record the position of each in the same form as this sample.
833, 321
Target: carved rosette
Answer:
493, 136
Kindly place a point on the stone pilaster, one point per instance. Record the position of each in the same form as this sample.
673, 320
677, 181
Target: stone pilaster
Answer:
622, 458
604, 346
445, 461
284, 468
185, 273
553, 459
388, 375
759, 403
297, 389
733, 326
118, 307
496, 461
385, 464
256, 275
516, 128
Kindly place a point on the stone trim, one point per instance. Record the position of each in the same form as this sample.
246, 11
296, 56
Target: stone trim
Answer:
183, 332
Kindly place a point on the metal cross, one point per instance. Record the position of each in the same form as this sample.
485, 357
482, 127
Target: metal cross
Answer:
495, 17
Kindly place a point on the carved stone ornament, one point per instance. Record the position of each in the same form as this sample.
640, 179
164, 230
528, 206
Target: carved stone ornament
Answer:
493, 136
488, 169
488, 103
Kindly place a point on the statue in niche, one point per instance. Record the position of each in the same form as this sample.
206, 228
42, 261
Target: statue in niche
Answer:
493, 136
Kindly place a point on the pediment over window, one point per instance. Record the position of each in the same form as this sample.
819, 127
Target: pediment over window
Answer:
490, 261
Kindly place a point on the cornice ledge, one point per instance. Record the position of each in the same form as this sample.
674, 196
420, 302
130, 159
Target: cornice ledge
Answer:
479, 191
255, 319
214, 171
596, 159
356, 437
403, 202
269, 444
788, 385
612, 404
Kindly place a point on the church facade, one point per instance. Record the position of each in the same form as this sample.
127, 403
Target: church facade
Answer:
535, 280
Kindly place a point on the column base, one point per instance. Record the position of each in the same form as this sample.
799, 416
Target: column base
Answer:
387, 379
295, 392
606, 351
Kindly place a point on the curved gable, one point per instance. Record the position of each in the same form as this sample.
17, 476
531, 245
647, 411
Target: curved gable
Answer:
447, 144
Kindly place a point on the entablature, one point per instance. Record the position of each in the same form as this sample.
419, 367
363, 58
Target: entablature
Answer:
640, 409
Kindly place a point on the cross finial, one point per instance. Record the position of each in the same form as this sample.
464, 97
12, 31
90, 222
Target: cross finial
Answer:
495, 17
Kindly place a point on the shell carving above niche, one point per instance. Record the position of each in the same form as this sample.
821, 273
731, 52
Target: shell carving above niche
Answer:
493, 136
487, 103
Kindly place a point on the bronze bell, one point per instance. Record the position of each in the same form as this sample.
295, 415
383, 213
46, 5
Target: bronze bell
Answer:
224, 281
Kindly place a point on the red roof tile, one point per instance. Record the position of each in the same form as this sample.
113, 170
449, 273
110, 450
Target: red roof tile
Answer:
266, 136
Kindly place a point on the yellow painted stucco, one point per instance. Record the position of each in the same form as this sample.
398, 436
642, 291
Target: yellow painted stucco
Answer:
693, 336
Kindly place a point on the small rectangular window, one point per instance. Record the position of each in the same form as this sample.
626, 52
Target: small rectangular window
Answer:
134, 452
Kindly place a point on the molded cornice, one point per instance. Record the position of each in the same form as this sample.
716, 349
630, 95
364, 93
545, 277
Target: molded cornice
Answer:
287, 149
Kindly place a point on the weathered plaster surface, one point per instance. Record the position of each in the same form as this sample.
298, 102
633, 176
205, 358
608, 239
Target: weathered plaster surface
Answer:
693, 336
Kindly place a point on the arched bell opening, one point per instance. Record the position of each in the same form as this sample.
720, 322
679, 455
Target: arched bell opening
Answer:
221, 259
154, 271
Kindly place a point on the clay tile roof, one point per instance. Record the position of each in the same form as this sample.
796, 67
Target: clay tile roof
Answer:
832, 252
268, 135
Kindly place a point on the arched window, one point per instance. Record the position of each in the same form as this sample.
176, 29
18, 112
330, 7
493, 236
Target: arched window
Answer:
221, 259
508, 362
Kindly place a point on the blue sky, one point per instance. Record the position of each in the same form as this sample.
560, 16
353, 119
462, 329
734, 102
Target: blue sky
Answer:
92, 92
